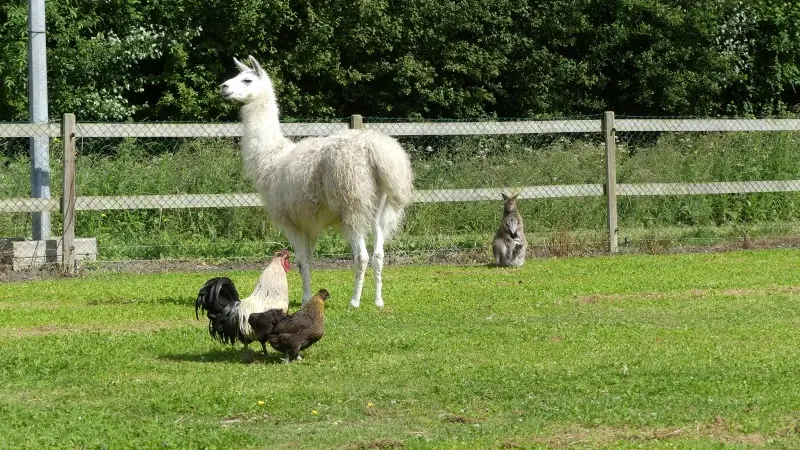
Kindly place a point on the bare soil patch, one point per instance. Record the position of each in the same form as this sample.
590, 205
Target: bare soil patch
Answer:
455, 257
693, 294
716, 430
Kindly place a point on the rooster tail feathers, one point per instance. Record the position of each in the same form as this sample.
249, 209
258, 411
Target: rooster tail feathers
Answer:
225, 325
220, 300
215, 295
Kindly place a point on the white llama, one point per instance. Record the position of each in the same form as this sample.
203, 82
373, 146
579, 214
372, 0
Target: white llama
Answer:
358, 180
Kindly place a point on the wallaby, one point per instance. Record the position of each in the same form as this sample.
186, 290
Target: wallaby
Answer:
509, 244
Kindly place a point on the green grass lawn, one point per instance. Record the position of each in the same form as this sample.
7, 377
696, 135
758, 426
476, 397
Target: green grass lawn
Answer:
688, 351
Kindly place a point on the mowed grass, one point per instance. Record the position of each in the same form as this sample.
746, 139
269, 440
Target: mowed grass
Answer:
692, 351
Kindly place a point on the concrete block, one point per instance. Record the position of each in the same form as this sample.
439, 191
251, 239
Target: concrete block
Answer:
20, 254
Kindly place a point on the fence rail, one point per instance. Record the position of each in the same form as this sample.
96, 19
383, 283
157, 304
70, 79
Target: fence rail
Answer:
23, 130
485, 128
707, 125
182, 201
722, 187
606, 126
187, 130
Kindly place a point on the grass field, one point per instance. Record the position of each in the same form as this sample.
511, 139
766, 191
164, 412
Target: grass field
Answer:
687, 351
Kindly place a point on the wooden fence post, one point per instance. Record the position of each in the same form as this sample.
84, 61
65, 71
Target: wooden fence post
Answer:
356, 122
68, 196
609, 135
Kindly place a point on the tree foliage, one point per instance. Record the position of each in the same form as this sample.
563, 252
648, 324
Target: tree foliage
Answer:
116, 60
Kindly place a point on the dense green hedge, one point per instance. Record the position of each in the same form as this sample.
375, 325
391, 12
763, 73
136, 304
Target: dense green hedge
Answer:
115, 60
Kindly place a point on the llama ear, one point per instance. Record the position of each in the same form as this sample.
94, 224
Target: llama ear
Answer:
256, 66
240, 65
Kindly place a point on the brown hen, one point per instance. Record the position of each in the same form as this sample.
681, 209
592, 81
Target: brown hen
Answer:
296, 332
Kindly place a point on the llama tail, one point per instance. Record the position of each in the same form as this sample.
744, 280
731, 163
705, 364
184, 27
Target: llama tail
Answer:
388, 217
392, 169
393, 172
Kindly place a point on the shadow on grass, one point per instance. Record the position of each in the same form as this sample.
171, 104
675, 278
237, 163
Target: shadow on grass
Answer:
179, 301
227, 355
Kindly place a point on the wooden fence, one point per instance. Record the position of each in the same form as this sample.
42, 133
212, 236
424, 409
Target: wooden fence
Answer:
69, 131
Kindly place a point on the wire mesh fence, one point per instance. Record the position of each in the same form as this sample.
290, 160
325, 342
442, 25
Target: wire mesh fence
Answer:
178, 192
461, 168
687, 183
22, 175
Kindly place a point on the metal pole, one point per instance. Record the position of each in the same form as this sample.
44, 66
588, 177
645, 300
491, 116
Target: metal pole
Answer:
609, 135
37, 109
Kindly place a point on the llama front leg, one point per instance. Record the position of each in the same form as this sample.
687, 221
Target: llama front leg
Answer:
360, 262
303, 248
304, 261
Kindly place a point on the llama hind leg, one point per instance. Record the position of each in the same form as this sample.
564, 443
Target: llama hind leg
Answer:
377, 252
377, 265
360, 262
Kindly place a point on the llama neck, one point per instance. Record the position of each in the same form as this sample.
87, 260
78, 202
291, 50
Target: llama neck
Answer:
262, 139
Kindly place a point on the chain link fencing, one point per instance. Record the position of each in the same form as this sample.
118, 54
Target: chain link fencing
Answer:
688, 184
176, 192
461, 168
21, 176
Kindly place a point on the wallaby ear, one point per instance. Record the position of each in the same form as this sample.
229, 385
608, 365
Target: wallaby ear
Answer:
256, 66
505, 197
240, 66
514, 197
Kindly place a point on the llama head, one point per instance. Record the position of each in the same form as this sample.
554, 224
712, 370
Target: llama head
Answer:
251, 84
